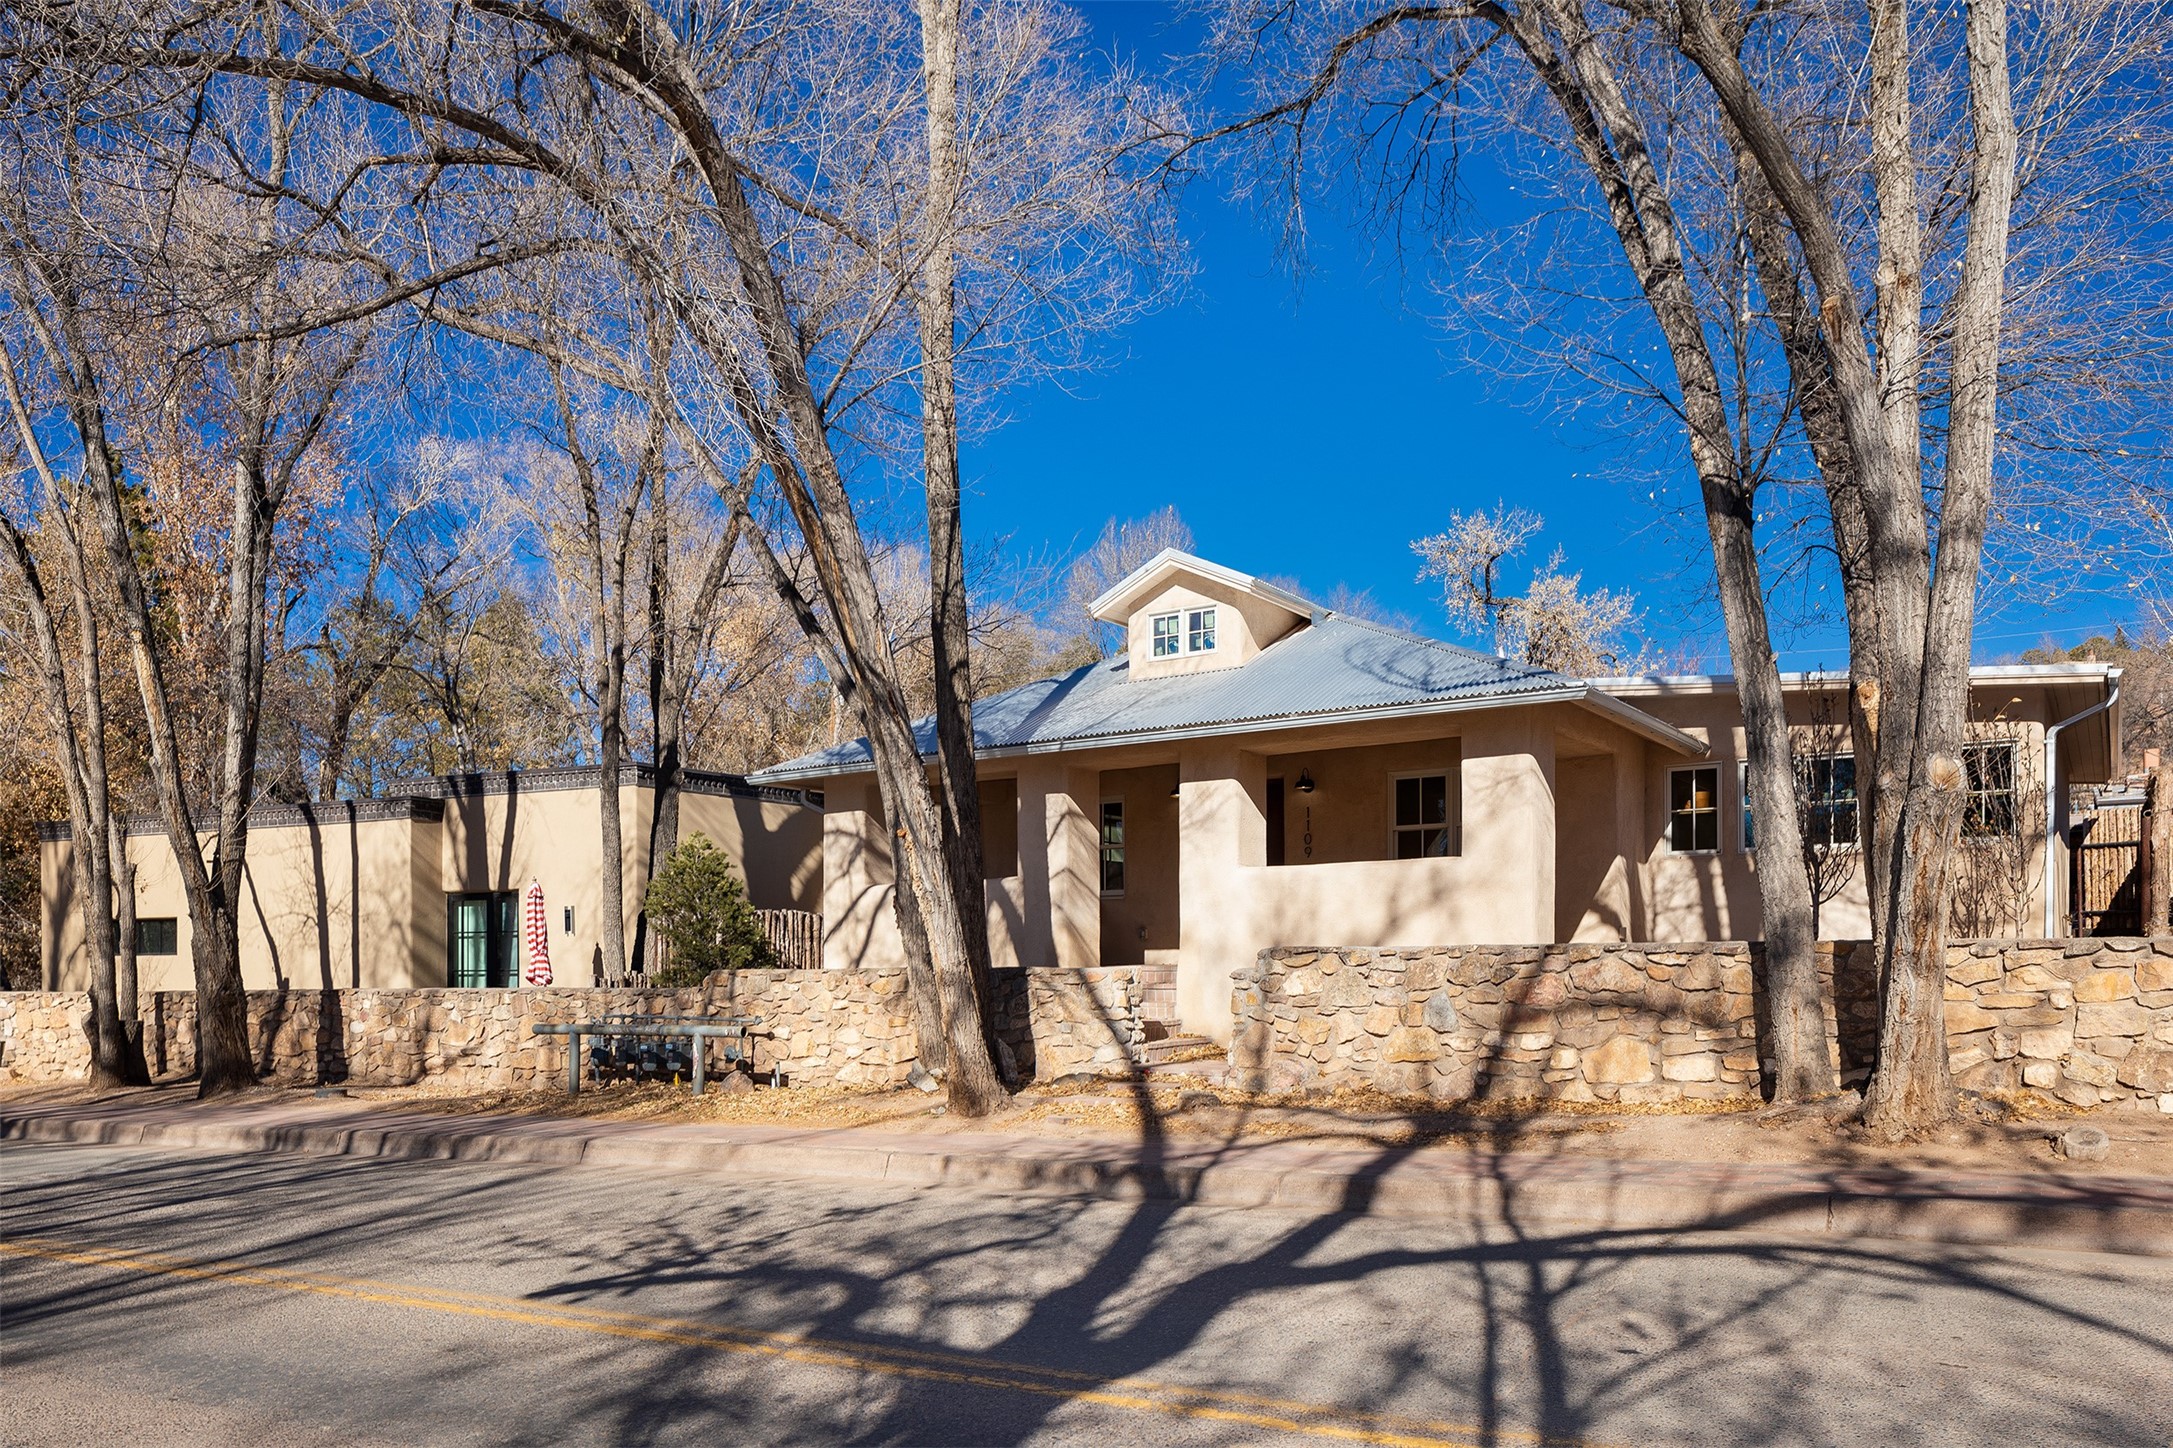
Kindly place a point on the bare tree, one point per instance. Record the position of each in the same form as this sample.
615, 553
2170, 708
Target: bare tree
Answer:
415, 540
1122, 546
1554, 622
75, 712
1819, 203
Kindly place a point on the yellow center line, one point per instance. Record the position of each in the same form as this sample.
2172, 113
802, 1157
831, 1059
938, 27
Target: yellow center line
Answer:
1320, 1420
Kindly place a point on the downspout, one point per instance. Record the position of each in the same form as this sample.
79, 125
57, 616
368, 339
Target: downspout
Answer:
2056, 803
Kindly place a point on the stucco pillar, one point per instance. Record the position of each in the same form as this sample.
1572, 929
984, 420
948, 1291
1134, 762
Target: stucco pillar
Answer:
1630, 835
859, 923
1508, 833
1222, 830
1058, 870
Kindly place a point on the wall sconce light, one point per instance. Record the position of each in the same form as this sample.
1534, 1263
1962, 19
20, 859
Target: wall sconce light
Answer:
1177, 788
569, 920
1305, 782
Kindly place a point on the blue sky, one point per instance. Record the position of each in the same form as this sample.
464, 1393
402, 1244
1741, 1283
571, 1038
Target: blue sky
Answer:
1311, 428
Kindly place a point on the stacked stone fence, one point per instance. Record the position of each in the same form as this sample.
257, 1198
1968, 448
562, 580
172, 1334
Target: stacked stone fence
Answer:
820, 1028
2088, 1020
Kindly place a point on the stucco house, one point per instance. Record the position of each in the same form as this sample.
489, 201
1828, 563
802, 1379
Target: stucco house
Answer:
1254, 770
420, 887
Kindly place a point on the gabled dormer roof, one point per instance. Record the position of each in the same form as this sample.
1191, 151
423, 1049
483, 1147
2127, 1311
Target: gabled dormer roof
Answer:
1173, 565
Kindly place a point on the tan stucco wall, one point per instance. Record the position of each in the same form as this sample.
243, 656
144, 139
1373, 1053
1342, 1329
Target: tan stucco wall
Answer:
1145, 917
301, 927
305, 923
1715, 896
1352, 806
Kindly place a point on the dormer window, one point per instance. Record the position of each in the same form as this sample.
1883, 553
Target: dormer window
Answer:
1199, 630
1187, 631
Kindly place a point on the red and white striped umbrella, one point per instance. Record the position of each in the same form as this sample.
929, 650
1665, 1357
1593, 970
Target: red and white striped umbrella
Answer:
536, 935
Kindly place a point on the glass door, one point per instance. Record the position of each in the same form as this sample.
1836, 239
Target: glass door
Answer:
484, 940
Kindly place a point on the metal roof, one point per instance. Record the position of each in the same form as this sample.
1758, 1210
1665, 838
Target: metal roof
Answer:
1336, 668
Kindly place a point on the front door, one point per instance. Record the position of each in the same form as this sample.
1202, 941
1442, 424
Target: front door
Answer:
485, 940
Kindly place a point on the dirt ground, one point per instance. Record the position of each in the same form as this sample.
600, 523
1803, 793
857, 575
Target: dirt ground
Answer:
2007, 1133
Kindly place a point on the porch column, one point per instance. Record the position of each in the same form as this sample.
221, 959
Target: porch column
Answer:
859, 921
1222, 829
1059, 864
1508, 833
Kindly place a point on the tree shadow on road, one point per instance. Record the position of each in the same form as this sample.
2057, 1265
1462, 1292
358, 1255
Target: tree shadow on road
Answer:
1506, 1325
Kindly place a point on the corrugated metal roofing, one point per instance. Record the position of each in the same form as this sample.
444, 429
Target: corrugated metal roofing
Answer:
1335, 665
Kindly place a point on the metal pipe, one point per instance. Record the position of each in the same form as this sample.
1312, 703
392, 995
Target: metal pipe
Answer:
2056, 804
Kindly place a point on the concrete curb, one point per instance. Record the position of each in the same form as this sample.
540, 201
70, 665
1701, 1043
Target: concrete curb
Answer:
2105, 1215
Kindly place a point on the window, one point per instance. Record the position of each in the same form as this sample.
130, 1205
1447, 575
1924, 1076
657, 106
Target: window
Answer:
1167, 638
1693, 810
1742, 795
1421, 827
1990, 810
1199, 630
1112, 847
485, 941
156, 935
1828, 789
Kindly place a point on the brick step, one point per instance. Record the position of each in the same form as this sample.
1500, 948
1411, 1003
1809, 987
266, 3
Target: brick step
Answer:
1156, 975
1157, 1052
1158, 1005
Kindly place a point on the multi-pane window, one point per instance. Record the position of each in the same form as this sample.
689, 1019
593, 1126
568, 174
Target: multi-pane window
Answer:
156, 935
1168, 635
1828, 787
1112, 847
1991, 807
1693, 809
1199, 630
485, 940
1422, 827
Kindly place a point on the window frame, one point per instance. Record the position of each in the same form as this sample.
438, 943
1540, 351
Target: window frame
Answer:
1974, 795
1102, 849
1813, 804
1175, 618
1194, 628
1450, 826
1667, 802
173, 935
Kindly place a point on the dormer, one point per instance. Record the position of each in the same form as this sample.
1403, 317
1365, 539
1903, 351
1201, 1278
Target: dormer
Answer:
1185, 615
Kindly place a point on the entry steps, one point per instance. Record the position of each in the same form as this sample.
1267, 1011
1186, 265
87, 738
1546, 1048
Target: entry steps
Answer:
1158, 1013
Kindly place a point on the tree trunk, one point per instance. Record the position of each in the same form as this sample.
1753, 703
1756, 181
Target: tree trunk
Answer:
1608, 136
1913, 1089
920, 970
88, 854
2158, 852
126, 990
948, 614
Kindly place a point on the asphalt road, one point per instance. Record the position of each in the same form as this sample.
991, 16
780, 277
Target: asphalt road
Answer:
179, 1299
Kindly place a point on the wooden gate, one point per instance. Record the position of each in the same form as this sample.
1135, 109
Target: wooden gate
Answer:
2105, 875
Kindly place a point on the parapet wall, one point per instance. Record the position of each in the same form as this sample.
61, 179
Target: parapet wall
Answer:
2089, 1021
823, 1028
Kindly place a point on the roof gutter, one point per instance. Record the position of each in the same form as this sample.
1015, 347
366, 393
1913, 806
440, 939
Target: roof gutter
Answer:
2056, 800
1630, 717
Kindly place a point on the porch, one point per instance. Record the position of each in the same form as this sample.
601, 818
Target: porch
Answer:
1524, 824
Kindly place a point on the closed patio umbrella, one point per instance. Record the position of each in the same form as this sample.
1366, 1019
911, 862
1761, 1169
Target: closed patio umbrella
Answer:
536, 936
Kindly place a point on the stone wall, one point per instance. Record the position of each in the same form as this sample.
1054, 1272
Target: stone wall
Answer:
2090, 1021
821, 1028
